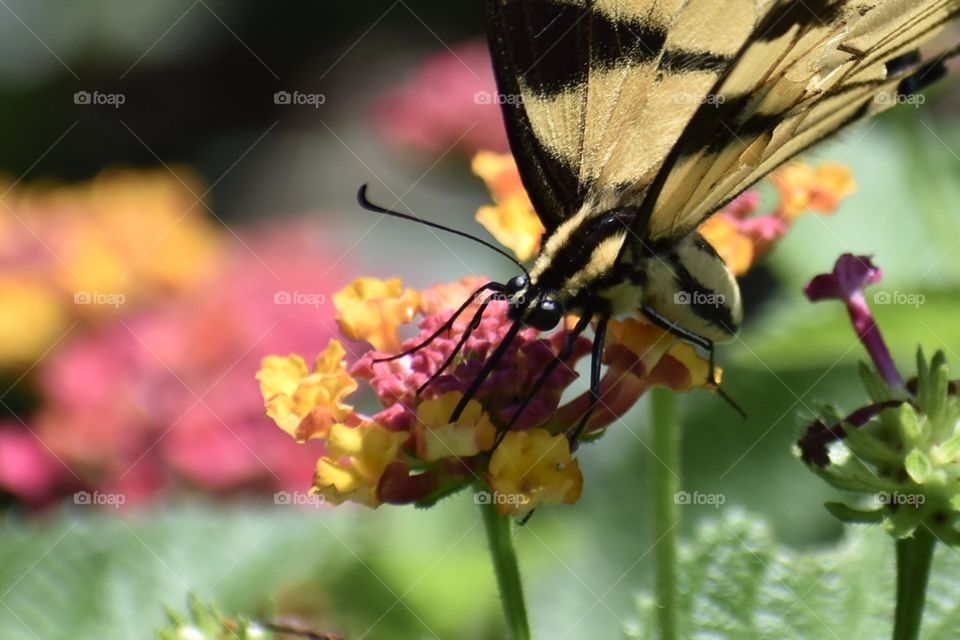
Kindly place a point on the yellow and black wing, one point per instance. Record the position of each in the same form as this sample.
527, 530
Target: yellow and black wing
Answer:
675, 106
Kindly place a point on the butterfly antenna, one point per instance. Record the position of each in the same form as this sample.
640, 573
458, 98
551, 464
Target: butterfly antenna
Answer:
370, 206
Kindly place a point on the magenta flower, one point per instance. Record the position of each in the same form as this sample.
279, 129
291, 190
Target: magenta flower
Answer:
851, 275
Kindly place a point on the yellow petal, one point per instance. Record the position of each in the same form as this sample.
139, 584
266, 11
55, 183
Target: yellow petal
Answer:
371, 309
438, 438
31, 320
533, 468
512, 221
305, 404
356, 459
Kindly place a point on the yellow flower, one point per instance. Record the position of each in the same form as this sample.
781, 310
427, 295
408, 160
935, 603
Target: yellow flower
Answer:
355, 460
533, 468
372, 310
307, 404
139, 234
438, 438
512, 221
31, 319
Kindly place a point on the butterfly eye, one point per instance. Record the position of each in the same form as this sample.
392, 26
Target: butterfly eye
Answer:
517, 284
546, 314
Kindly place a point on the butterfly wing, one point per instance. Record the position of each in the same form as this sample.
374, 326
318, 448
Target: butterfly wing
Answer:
595, 92
676, 106
809, 70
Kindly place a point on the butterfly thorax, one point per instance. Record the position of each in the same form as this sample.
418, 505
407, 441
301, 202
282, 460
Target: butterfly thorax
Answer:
584, 268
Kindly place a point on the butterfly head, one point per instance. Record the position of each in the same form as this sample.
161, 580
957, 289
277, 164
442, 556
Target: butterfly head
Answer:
535, 306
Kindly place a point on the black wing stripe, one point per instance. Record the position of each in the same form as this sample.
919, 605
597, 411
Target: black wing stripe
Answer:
556, 30
674, 61
801, 13
550, 182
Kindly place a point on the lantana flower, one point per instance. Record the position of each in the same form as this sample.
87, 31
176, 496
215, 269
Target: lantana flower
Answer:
450, 100
901, 452
95, 250
162, 400
410, 452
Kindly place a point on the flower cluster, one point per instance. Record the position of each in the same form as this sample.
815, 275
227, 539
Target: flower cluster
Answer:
409, 451
451, 100
94, 250
902, 451
155, 395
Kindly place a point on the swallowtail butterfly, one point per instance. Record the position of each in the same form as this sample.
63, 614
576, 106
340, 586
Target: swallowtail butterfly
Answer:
632, 121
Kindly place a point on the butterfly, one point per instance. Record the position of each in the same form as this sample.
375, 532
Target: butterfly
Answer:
632, 121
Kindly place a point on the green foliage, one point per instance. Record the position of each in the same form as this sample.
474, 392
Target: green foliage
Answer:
739, 584
904, 459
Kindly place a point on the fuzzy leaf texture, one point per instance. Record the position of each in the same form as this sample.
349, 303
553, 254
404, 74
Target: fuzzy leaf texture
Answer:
739, 584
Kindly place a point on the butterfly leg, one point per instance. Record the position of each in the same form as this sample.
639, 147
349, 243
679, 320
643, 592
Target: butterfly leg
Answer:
474, 323
488, 366
446, 326
596, 364
699, 341
541, 380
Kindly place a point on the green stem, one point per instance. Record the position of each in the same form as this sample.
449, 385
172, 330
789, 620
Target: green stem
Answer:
666, 484
914, 556
500, 538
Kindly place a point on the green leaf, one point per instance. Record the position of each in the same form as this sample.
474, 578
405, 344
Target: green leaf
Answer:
738, 584
110, 577
918, 466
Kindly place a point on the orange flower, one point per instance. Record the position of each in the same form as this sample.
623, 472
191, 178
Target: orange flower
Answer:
805, 188
533, 468
512, 221
736, 248
372, 310
307, 404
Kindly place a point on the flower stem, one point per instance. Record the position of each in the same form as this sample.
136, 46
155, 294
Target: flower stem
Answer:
500, 538
914, 556
666, 481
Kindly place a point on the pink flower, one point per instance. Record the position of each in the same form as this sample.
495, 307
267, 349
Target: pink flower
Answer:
450, 100
165, 399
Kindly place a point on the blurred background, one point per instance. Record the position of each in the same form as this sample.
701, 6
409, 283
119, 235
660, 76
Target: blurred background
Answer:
170, 169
